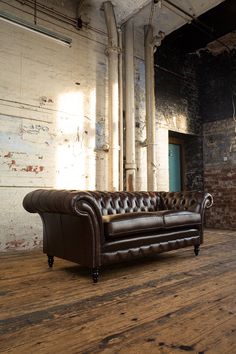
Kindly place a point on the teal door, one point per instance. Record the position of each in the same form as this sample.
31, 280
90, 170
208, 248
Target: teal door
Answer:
174, 167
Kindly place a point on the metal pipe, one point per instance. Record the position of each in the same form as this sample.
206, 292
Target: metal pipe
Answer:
150, 110
121, 126
112, 52
130, 166
150, 43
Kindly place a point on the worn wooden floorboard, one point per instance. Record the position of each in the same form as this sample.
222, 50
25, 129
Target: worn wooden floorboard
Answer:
174, 303
145, 325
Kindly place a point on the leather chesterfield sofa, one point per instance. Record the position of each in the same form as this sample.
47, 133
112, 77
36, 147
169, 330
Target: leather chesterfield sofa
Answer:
95, 228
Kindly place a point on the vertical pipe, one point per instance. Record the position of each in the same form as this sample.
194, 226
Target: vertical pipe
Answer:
121, 127
150, 110
130, 165
112, 52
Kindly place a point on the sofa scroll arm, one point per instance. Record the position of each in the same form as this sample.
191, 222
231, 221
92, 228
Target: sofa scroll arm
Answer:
69, 202
208, 201
83, 209
85, 205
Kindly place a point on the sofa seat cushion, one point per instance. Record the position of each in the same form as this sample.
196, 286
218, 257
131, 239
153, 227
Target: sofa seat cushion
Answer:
160, 237
128, 224
175, 219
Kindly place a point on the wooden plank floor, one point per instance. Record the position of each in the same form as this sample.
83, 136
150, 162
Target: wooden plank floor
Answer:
173, 303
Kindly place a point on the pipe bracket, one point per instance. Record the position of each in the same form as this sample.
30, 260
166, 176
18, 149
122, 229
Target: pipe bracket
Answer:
112, 49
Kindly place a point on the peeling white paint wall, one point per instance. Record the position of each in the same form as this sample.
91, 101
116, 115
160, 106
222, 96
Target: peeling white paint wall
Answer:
53, 113
140, 119
53, 108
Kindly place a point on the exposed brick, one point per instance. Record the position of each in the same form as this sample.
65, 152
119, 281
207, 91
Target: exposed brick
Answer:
223, 212
177, 107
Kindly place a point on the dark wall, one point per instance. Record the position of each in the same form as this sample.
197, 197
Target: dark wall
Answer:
177, 90
217, 79
196, 101
215, 86
194, 163
177, 107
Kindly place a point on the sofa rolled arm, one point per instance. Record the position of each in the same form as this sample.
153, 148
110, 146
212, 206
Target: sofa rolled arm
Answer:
69, 202
194, 201
86, 205
208, 201
58, 201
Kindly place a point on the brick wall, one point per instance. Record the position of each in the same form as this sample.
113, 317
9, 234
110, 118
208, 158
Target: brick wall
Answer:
177, 101
220, 181
194, 163
220, 172
215, 86
177, 109
195, 98
217, 80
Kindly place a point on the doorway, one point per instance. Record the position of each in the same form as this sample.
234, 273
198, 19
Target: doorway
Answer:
175, 164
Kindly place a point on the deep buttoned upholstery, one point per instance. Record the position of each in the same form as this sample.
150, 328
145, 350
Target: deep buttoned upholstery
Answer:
95, 227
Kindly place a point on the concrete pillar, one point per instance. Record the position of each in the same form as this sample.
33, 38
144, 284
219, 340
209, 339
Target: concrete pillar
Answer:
112, 52
130, 166
121, 126
150, 45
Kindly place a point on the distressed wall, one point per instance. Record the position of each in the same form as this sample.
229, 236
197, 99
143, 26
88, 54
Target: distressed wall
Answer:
140, 124
53, 107
53, 112
54, 124
196, 99
220, 172
178, 112
218, 87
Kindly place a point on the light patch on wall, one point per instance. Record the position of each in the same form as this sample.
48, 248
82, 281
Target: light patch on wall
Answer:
91, 167
75, 160
180, 122
93, 102
71, 110
176, 122
70, 152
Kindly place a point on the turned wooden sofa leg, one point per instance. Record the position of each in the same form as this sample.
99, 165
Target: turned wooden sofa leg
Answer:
50, 261
196, 249
95, 274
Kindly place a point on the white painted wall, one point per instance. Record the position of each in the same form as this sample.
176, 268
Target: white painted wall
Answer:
162, 136
140, 119
53, 109
53, 115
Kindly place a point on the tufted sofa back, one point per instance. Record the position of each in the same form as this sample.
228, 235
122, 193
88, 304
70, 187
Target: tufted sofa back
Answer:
110, 203
187, 200
106, 203
127, 202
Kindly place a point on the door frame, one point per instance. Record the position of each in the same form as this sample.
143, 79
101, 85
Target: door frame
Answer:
180, 142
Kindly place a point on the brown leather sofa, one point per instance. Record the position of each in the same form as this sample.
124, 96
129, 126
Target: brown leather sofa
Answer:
96, 228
